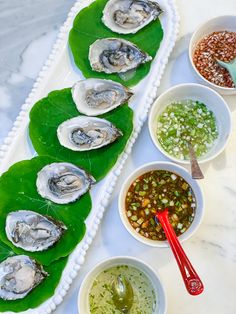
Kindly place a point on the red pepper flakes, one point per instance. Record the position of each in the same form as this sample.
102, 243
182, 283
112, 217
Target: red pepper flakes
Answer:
218, 45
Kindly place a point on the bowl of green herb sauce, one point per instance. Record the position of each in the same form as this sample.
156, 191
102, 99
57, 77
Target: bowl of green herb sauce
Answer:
96, 293
190, 113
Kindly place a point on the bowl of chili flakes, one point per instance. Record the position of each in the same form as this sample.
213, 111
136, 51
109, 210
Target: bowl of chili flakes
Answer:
215, 39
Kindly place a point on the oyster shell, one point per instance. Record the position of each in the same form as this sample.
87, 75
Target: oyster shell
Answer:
85, 133
115, 55
129, 16
31, 231
96, 96
18, 276
63, 182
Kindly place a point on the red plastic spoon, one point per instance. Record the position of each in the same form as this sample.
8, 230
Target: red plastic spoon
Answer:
191, 279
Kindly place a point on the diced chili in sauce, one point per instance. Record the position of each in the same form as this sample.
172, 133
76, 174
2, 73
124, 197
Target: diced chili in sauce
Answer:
154, 191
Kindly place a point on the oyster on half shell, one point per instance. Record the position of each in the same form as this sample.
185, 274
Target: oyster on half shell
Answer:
116, 55
129, 16
97, 96
18, 276
31, 231
86, 133
63, 182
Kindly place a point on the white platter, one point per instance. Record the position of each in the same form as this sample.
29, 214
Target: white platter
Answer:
57, 73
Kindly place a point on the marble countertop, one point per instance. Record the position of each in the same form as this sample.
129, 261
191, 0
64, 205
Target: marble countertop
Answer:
26, 39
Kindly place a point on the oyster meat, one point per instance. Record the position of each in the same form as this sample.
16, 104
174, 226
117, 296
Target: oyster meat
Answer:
63, 182
96, 96
116, 55
129, 16
85, 133
31, 231
18, 276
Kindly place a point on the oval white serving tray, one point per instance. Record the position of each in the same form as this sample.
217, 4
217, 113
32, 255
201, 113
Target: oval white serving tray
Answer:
60, 72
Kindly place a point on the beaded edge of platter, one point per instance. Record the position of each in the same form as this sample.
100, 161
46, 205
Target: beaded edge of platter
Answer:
77, 257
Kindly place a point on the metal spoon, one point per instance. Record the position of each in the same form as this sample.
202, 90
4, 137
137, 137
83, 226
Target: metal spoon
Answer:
230, 66
191, 279
123, 295
196, 172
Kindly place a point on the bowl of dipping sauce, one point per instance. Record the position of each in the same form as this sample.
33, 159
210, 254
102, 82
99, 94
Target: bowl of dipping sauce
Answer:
156, 186
215, 39
95, 295
190, 113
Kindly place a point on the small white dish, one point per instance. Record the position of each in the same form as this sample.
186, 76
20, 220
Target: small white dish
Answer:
177, 170
204, 94
220, 23
83, 297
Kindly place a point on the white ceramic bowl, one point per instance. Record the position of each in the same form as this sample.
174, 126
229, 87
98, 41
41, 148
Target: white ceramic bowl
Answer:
220, 23
83, 297
204, 94
175, 169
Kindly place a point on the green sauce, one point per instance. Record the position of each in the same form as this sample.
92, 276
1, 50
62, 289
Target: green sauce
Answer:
183, 122
100, 295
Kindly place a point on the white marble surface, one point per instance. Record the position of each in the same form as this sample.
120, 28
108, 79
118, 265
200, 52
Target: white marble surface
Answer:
26, 38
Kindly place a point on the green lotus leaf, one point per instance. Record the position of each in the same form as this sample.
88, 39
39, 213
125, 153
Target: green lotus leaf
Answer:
5, 251
40, 293
88, 27
58, 106
18, 192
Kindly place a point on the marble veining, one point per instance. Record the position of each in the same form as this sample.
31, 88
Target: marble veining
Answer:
26, 27
27, 33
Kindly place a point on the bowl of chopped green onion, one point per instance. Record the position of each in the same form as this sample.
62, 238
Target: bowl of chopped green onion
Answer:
190, 113
154, 187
